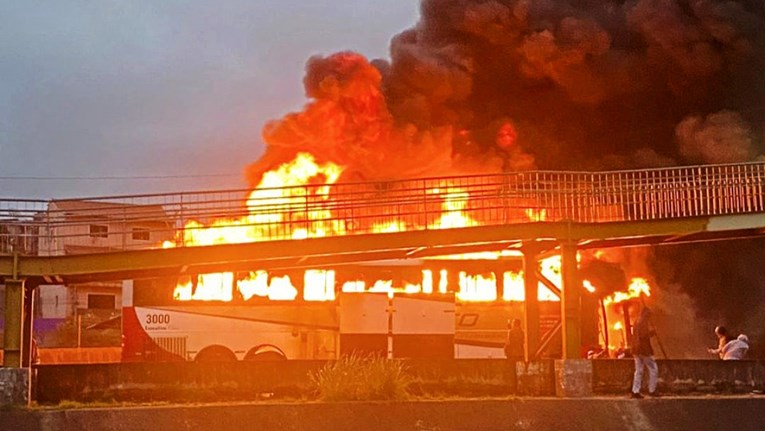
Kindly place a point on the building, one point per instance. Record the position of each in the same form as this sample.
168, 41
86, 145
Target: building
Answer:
73, 227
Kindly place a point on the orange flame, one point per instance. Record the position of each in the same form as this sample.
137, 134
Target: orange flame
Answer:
637, 287
280, 191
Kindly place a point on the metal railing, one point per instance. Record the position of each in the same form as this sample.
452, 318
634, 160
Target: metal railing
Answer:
200, 218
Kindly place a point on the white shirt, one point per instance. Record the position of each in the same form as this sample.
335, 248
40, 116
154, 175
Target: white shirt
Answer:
734, 350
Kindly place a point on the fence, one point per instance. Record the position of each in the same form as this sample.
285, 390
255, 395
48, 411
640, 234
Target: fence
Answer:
205, 218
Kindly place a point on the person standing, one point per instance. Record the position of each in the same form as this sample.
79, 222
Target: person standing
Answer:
642, 351
515, 339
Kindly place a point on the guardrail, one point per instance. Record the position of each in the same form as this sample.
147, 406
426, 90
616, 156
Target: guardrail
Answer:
200, 218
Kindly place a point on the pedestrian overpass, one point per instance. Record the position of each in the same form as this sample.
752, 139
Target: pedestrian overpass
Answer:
314, 225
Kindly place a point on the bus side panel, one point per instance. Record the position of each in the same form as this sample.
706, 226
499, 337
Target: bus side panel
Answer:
183, 332
364, 344
364, 324
481, 327
137, 345
423, 327
423, 346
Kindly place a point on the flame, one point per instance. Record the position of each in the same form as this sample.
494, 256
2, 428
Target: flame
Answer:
427, 281
270, 200
536, 214
209, 287
267, 203
588, 286
319, 285
638, 286
443, 284
477, 287
259, 283
386, 286
452, 216
514, 286
303, 183
354, 286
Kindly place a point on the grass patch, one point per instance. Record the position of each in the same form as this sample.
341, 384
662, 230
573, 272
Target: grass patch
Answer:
71, 404
362, 378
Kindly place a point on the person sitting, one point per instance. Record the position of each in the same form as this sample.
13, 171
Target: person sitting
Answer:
723, 338
736, 349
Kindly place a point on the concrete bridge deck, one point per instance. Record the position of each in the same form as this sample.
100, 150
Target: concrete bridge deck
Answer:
127, 236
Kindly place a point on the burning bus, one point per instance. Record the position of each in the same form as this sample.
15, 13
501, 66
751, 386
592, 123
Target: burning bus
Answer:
452, 306
435, 308
428, 308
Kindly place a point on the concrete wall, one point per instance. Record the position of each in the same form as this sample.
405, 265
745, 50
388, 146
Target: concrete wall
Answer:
683, 376
189, 381
56, 302
678, 414
244, 381
14, 387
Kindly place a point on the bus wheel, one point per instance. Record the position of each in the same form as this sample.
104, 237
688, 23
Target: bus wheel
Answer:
215, 354
265, 353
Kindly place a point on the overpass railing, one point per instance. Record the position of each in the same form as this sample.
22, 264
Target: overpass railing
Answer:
200, 218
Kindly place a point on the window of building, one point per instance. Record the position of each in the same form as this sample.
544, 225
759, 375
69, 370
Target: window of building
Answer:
141, 234
101, 301
99, 231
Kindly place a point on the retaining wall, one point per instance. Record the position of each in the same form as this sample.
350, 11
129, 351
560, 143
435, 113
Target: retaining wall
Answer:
14, 387
246, 381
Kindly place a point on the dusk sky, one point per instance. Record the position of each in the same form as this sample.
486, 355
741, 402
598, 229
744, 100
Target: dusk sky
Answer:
92, 92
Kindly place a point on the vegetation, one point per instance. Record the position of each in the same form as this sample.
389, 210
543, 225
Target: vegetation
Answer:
362, 378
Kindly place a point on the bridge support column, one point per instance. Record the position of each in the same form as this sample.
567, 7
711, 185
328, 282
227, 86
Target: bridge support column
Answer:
531, 301
573, 375
14, 328
571, 302
14, 380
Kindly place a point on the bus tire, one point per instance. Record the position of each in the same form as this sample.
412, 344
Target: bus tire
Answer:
215, 354
265, 353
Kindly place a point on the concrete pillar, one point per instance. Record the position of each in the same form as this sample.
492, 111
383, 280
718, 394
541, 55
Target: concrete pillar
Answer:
573, 378
27, 324
571, 302
14, 388
531, 302
14, 312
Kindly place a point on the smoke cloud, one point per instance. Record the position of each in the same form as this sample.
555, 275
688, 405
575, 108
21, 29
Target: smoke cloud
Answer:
588, 84
723, 137
491, 85
582, 84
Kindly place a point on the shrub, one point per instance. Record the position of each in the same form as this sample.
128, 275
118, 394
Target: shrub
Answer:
357, 378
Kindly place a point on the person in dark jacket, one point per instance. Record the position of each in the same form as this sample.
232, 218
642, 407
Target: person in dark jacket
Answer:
642, 351
515, 338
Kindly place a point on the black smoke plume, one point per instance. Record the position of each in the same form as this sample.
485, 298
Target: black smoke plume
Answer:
486, 85
588, 84
603, 85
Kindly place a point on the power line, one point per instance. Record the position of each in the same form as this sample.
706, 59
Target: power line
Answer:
114, 177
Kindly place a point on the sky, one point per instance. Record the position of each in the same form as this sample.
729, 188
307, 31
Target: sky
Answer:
102, 98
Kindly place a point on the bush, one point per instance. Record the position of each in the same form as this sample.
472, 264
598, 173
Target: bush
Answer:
357, 378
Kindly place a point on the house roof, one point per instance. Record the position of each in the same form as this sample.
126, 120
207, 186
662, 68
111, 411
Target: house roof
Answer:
76, 208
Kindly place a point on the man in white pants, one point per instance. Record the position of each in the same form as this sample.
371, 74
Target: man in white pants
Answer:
643, 353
